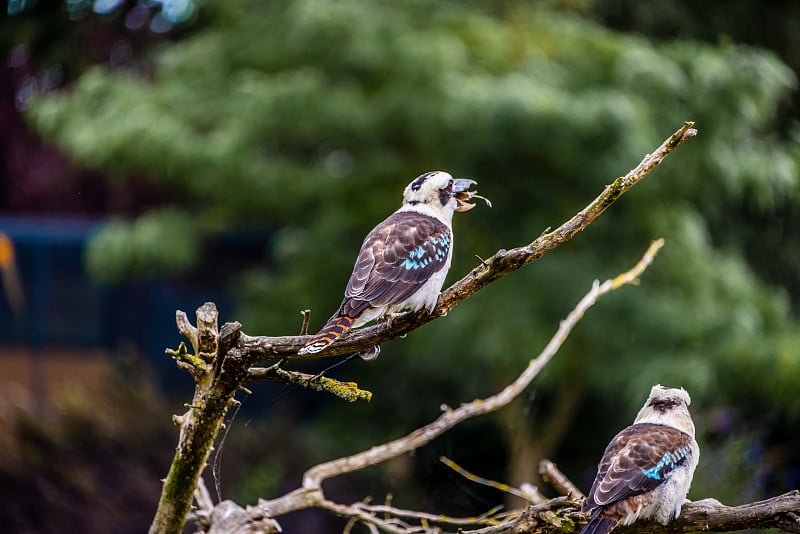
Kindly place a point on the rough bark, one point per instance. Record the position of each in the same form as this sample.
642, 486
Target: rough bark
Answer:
779, 512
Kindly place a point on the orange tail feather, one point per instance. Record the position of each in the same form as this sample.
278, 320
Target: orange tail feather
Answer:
329, 333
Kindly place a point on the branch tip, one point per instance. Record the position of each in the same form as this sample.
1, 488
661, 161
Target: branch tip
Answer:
483, 481
306, 319
552, 474
632, 276
185, 328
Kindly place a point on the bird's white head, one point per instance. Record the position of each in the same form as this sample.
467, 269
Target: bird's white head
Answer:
667, 406
438, 194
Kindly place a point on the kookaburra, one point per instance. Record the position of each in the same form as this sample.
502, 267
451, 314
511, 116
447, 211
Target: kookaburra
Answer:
647, 468
404, 260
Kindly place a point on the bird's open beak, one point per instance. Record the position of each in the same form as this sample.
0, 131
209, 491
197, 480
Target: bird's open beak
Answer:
463, 195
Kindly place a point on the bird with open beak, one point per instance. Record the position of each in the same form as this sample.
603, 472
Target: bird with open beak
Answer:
404, 259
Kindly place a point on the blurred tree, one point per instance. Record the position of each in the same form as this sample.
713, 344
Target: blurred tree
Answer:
307, 118
773, 25
47, 45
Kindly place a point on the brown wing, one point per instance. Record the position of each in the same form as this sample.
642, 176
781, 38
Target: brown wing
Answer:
637, 460
398, 256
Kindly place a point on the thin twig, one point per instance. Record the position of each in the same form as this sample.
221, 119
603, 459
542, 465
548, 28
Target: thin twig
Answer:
532, 511
306, 319
203, 497
348, 391
186, 329
484, 519
552, 474
484, 481
363, 516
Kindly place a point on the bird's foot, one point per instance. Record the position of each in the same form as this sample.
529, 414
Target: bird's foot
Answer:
390, 319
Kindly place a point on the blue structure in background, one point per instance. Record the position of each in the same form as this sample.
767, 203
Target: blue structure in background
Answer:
64, 308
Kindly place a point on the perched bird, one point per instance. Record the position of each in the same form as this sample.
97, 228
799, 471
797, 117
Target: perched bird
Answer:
647, 468
404, 260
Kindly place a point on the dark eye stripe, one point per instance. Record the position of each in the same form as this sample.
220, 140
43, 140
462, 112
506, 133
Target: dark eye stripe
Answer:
446, 193
662, 405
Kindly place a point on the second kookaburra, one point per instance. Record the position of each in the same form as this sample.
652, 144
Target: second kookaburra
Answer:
647, 468
404, 260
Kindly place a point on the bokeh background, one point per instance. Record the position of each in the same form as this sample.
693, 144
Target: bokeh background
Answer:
160, 153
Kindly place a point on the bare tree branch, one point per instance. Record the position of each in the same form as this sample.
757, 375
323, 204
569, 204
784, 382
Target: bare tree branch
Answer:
499, 265
217, 379
348, 391
709, 514
311, 494
779, 512
531, 497
543, 513
557, 516
222, 362
488, 518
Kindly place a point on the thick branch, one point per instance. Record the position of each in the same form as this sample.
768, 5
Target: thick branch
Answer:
562, 516
779, 512
200, 425
499, 265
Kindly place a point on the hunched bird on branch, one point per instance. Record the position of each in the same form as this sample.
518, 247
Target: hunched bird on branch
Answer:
647, 468
404, 260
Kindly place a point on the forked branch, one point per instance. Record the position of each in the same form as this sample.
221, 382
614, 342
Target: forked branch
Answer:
557, 516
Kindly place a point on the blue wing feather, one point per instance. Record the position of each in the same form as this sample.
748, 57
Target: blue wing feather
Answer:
397, 257
638, 459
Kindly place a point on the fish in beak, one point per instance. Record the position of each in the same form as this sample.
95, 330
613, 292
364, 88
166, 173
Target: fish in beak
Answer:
463, 195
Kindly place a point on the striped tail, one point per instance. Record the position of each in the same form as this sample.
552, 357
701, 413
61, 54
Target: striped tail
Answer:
329, 333
599, 523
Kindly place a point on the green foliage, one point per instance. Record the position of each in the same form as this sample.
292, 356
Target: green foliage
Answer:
307, 118
159, 242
